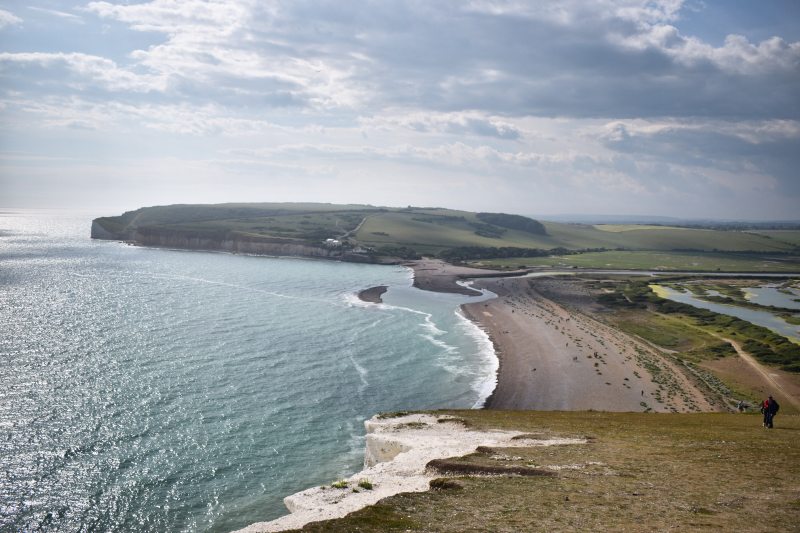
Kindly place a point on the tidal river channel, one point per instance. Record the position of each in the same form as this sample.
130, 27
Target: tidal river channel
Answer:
755, 316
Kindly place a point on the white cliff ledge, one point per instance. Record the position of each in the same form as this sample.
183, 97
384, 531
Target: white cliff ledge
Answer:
397, 452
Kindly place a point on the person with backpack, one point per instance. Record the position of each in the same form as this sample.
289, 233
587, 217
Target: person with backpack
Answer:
769, 408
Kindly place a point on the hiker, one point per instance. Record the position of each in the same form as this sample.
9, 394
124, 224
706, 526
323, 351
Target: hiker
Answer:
770, 408
741, 406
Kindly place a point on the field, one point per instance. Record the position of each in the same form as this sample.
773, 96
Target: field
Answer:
638, 472
655, 260
662, 238
788, 236
616, 228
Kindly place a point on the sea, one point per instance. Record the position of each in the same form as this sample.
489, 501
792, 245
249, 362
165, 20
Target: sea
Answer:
152, 390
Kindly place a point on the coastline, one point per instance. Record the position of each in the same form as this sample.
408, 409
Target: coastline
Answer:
550, 357
399, 454
554, 358
434, 273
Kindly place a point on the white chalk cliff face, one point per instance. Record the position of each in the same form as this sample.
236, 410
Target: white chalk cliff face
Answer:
397, 452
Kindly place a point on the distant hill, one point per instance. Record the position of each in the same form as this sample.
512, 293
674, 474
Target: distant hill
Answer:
582, 218
705, 223
364, 232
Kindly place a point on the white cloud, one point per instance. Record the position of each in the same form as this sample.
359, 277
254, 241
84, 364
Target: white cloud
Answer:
8, 19
90, 69
737, 55
56, 13
458, 123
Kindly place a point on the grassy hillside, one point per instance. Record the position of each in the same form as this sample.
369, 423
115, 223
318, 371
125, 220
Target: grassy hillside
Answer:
638, 472
294, 221
410, 231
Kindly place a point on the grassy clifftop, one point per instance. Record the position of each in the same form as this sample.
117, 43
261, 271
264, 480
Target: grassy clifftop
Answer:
638, 472
410, 231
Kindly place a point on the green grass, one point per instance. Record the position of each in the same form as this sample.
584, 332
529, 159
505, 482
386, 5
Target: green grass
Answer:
444, 229
787, 236
645, 297
425, 230
654, 260
579, 236
639, 472
616, 228
664, 330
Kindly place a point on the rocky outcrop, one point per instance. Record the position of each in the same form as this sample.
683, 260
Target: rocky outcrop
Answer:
398, 452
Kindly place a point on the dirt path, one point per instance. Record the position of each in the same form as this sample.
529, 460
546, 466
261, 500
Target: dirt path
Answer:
789, 390
774, 379
352, 231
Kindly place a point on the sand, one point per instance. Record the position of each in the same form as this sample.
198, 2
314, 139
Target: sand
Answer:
552, 358
439, 276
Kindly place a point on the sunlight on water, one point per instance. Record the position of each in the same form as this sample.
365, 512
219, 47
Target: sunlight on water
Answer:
157, 390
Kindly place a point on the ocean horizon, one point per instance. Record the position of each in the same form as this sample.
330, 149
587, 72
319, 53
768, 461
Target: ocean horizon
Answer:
161, 390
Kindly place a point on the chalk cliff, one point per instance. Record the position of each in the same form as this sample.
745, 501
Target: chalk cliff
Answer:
221, 241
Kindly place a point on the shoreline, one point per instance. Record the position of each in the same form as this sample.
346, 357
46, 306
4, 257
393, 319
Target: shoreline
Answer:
450, 283
398, 455
549, 357
554, 358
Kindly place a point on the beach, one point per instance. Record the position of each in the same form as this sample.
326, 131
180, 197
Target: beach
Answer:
553, 357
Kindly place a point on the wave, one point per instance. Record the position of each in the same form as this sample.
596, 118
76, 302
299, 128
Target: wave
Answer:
487, 381
362, 373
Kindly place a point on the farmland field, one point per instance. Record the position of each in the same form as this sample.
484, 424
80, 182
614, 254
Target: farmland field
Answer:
647, 260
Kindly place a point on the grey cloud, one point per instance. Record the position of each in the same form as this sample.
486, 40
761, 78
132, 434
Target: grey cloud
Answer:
575, 59
442, 57
450, 123
777, 156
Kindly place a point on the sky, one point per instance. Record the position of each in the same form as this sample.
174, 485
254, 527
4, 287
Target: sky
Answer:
629, 107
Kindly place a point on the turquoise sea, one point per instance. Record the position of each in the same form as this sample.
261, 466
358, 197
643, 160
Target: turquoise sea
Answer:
158, 390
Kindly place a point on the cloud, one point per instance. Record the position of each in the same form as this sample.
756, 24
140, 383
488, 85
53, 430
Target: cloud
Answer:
620, 59
89, 69
569, 97
8, 19
753, 151
458, 123
60, 14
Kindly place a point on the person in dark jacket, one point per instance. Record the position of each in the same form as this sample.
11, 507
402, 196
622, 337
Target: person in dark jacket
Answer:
770, 408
